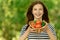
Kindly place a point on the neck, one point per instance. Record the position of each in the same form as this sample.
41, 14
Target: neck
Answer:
38, 19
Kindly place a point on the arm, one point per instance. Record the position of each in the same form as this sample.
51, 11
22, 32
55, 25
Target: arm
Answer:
25, 35
50, 31
52, 37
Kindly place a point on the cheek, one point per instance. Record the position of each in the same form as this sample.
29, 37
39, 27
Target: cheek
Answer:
34, 12
42, 12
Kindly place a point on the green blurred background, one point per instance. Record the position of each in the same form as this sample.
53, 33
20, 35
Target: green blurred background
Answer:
13, 17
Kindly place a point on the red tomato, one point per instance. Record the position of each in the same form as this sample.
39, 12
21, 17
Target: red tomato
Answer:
38, 24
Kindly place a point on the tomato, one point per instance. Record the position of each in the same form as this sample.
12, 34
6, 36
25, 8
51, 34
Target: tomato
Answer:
38, 24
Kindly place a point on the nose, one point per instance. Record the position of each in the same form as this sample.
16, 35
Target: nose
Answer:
38, 11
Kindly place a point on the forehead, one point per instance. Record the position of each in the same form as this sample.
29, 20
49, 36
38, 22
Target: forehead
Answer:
38, 6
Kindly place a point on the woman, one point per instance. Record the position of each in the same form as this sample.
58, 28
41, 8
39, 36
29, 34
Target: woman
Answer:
37, 10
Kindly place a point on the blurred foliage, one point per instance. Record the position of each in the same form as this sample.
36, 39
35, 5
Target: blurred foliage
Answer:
13, 16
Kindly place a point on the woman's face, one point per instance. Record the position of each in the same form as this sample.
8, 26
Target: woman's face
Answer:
37, 11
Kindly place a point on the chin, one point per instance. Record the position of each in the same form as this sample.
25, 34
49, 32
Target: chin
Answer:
38, 16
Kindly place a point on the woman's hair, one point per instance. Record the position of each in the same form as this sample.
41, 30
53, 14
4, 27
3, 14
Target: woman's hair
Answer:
30, 16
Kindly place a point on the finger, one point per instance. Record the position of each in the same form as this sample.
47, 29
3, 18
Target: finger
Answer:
45, 21
33, 30
31, 26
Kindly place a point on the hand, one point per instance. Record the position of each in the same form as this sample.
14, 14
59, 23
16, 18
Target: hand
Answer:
32, 29
46, 26
36, 30
31, 23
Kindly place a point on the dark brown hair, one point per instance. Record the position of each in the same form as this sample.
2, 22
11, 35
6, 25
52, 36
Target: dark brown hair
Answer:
30, 16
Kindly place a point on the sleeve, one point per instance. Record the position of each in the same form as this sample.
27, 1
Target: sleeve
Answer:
51, 27
23, 30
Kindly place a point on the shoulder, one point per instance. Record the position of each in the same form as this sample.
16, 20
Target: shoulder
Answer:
24, 26
23, 29
52, 28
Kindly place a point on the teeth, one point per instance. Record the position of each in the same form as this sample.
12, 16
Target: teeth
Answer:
38, 15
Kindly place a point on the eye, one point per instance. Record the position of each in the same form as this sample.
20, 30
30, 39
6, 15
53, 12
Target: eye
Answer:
40, 9
35, 9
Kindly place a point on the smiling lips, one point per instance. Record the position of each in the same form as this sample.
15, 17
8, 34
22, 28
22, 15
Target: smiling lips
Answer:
38, 14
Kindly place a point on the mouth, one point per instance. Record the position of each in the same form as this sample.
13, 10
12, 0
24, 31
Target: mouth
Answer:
38, 14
